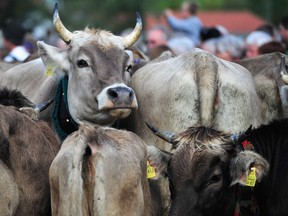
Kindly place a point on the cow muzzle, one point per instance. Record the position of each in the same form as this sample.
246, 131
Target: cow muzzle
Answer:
119, 100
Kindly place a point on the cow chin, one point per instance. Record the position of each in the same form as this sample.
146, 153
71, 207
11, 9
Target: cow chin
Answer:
120, 112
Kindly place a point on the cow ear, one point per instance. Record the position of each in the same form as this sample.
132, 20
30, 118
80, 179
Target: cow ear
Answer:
158, 159
240, 166
53, 57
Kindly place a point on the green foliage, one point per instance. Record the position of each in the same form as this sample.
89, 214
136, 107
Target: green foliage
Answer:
116, 15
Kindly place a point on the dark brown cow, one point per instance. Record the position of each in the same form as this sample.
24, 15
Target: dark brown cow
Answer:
208, 166
27, 148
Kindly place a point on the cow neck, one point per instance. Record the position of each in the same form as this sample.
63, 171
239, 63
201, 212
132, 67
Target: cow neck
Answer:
62, 120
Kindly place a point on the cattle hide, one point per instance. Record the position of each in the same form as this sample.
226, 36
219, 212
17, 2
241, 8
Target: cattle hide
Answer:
100, 171
195, 88
271, 90
27, 148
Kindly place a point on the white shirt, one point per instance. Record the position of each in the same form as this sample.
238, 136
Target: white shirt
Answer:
19, 53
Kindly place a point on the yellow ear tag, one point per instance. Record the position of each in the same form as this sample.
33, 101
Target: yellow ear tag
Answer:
251, 178
49, 71
150, 171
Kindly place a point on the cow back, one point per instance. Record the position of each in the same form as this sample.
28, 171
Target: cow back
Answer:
193, 89
100, 171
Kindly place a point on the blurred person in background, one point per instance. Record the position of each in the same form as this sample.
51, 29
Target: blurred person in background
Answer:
155, 52
13, 38
273, 46
255, 40
283, 30
180, 44
230, 48
207, 33
156, 36
189, 24
271, 30
210, 45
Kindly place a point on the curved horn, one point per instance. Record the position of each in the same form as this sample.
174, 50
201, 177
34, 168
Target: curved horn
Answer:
43, 106
130, 39
166, 136
283, 72
63, 33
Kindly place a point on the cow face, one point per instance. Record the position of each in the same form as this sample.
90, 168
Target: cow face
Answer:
204, 169
96, 62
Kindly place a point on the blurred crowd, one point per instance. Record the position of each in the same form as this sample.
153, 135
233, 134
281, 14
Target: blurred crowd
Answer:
184, 32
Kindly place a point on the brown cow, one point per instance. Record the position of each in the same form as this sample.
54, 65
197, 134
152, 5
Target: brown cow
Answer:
27, 148
209, 166
101, 171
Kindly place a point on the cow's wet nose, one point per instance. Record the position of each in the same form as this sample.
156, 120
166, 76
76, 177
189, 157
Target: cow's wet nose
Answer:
121, 95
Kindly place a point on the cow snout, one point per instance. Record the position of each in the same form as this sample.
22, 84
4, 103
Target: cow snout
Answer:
121, 95
117, 99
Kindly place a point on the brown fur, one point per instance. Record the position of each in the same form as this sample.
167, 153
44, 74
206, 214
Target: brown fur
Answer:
106, 169
29, 148
198, 136
266, 72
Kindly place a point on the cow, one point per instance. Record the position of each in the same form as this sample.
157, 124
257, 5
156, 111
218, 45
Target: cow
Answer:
209, 168
102, 171
27, 148
193, 88
95, 67
4, 66
268, 72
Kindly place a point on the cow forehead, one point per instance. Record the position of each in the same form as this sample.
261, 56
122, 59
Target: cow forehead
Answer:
197, 164
104, 39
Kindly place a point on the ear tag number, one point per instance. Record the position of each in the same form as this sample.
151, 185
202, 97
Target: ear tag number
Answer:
150, 171
49, 71
251, 178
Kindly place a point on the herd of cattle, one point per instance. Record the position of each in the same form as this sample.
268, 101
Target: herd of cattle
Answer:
95, 169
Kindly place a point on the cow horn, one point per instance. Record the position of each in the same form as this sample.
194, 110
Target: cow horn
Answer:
165, 135
130, 39
283, 72
43, 106
61, 30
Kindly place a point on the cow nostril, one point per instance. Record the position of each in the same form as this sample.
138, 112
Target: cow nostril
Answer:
112, 93
131, 94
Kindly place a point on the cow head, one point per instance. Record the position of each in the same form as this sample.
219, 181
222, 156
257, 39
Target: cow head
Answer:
204, 170
96, 62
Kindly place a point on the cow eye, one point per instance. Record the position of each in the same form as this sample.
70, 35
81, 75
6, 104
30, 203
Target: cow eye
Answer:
82, 63
129, 68
215, 179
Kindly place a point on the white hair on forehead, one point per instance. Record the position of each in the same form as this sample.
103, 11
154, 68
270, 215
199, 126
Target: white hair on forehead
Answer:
102, 37
258, 38
216, 146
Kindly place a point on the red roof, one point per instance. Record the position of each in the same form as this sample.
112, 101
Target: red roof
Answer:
236, 22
